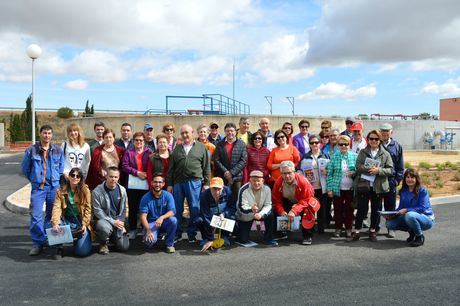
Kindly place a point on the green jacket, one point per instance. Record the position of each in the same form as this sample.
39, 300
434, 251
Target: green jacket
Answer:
386, 169
334, 170
195, 165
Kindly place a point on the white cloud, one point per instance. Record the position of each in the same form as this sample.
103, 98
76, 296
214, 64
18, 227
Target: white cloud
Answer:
449, 88
77, 84
362, 31
281, 59
334, 90
99, 66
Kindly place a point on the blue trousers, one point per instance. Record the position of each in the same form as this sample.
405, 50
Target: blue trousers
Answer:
411, 221
37, 225
189, 190
168, 226
81, 247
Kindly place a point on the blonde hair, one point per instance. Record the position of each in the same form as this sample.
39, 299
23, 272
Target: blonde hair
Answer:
80, 139
344, 137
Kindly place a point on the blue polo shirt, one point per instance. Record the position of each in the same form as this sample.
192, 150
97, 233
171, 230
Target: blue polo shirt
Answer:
154, 208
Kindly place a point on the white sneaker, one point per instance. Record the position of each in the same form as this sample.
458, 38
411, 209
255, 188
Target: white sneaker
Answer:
391, 234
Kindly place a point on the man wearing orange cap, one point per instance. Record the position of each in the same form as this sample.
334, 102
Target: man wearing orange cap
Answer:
358, 141
217, 200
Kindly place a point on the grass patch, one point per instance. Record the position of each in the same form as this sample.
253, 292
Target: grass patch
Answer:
439, 184
424, 165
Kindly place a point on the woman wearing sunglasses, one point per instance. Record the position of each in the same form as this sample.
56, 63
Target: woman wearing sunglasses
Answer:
313, 167
257, 157
373, 167
72, 206
340, 173
282, 152
168, 130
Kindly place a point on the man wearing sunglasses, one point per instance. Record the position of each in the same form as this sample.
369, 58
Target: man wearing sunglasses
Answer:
349, 121
43, 165
214, 137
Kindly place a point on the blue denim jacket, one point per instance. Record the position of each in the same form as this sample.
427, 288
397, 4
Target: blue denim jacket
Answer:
32, 165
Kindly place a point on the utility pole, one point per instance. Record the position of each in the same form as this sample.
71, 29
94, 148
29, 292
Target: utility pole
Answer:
291, 101
233, 80
270, 102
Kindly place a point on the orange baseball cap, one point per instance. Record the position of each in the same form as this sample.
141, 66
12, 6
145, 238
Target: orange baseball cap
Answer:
216, 182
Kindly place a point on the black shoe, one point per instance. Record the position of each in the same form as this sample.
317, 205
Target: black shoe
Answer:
411, 236
418, 241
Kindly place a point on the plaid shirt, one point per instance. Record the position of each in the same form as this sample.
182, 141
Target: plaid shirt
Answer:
334, 169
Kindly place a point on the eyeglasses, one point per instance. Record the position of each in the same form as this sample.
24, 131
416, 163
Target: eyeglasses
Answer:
348, 122
139, 140
374, 139
157, 182
169, 130
304, 126
287, 173
324, 127
314, 142
287, 128
281, 137
326, 137
258, 138
343, 144
74, 175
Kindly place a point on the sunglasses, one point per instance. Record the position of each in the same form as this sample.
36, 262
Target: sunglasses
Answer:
324, 127
74, 175
374, 138
258, 138
343, 144
139, 140
304, 126
314, 142
169, 130
280, 137
348, 122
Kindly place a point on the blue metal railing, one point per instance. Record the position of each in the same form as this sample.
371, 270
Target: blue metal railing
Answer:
213, 104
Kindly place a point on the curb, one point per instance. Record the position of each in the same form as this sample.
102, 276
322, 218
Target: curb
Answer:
445, 200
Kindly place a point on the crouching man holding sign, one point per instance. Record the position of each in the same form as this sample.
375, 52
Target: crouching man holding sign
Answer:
293, 196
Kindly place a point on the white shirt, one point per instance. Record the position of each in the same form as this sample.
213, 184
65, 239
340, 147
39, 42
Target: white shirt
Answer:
187, 148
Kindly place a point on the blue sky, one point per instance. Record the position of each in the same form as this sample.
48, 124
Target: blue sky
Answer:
335, 57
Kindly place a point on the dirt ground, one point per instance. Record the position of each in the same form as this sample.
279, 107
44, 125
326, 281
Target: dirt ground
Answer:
439, 181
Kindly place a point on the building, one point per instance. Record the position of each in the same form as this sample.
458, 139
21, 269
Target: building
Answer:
449, 109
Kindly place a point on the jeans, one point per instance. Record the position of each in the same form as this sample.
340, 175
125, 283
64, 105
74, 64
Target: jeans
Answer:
81, 247
411, 221
244, 229
37, 226
168, 226
363, 208
189, 190
389, 199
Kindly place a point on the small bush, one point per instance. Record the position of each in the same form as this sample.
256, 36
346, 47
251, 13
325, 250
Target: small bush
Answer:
436, 176
65, 112
454, 167
439, 184
441, 167
407, 165
425, 180
424, 165
448, 164
430, 193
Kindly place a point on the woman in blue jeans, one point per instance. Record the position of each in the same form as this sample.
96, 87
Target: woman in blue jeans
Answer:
415, 214
72, 206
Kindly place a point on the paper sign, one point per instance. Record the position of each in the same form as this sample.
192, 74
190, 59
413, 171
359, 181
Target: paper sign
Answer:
137, 183
283, 224
61, 237
223, 223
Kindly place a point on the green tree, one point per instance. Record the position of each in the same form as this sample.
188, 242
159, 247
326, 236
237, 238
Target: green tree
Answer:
21, 125
65, 112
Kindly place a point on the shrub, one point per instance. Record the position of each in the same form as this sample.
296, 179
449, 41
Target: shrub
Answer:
439, 184
425, 180
65, 112
424, 165
441, 167
407, 165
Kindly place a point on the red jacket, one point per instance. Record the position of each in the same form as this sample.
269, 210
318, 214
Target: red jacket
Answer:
257, 160
303, 192
94, 172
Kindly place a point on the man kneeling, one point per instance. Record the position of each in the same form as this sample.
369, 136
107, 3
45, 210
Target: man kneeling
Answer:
109, 210
157, 210
255, 203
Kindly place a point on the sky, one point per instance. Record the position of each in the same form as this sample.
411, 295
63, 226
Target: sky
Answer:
336, 58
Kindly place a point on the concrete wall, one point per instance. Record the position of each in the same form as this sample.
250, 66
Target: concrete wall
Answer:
2, 135
409, 133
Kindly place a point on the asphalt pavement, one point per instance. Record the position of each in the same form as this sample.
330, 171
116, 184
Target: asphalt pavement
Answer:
330, 271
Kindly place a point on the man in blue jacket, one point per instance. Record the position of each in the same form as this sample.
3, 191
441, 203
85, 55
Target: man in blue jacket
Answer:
42, 164
396, 152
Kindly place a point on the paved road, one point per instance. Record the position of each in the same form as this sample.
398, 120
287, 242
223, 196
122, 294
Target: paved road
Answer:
327, 272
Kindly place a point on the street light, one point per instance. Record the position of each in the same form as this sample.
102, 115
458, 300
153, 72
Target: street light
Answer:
34, 52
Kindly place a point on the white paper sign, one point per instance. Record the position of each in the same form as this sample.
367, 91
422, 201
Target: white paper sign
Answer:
137, 183
223, 223
63, 236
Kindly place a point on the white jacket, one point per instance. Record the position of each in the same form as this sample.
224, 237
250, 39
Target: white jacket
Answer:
246, 200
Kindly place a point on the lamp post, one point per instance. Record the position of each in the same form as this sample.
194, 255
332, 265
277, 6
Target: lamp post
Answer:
34, 52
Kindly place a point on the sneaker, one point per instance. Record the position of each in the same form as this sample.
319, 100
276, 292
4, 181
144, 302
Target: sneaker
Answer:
411, 236
34, 251
307, 241
272, 243
418, 241
356, 236
170, 249
132, 234
104, 249
226, 241
391, 234
336, 233
373, 236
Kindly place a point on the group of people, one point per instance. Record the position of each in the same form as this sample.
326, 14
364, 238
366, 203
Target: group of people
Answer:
111, 190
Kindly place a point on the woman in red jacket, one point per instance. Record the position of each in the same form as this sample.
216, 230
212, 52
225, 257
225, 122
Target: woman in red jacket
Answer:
257, 157
106, 155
